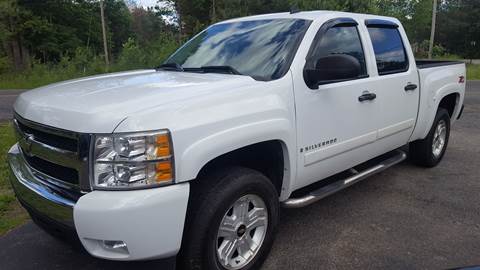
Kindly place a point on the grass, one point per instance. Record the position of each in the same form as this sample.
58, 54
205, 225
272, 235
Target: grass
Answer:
473, 72
11, 213
27, 81
84, 63
39, 77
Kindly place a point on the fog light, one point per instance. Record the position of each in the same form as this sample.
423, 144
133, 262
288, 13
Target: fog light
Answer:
117, 246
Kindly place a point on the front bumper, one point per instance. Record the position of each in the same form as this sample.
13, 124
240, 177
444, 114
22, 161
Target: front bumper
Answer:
31, 190
150, 222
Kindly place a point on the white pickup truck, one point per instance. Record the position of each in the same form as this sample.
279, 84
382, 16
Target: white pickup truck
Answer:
190, 162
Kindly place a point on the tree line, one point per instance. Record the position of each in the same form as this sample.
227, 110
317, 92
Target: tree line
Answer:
68, 32
458, 26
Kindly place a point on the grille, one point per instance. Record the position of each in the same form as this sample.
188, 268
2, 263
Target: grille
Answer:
60, 155
50, 139
56, 171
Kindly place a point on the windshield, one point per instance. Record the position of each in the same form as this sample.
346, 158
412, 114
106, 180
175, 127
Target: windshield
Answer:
262, 49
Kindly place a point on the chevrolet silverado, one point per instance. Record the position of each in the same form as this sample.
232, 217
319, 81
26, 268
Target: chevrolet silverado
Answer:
191, 162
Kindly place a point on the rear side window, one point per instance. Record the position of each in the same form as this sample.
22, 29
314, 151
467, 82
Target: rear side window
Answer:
389, 50
342, 40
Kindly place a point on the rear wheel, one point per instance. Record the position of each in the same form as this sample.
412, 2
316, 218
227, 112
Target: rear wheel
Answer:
429, 151
232, 219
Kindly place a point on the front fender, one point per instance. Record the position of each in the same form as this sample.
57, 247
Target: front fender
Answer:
206, 126
194, 157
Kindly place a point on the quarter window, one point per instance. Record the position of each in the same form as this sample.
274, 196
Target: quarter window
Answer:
342, 40
389, 50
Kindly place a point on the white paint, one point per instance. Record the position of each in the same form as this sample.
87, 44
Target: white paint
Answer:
149, 221
336, 149
395, 128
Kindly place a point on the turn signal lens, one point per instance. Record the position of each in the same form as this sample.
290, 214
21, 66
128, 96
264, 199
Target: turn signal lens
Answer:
163, 172
162, 144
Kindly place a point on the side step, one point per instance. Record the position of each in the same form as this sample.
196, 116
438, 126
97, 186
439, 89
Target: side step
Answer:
327, 190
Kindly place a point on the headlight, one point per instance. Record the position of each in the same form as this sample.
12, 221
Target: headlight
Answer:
136, 160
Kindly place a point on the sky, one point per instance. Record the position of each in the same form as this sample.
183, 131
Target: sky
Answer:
146, 3
150, 3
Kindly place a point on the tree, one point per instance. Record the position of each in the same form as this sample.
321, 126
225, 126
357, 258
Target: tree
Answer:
147, 24
48, 30
119, 24
12, 29
197, 14
193, 16
459, 27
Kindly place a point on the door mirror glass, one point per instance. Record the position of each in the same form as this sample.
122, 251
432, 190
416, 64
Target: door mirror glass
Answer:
333, 68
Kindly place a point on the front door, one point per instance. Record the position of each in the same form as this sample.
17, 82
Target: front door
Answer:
337, 123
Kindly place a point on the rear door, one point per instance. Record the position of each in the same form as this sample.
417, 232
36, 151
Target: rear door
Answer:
396, 82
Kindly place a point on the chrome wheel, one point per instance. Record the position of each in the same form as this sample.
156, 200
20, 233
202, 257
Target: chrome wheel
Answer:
439, 138
241, 232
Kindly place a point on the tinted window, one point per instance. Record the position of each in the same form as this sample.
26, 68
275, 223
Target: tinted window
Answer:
389, 50
262, 49
341, 40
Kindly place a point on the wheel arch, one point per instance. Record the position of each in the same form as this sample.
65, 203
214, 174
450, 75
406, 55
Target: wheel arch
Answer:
449, 98
268, 157
267, 144
450, 102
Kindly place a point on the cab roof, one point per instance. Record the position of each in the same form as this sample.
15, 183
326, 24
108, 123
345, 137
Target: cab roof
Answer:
311, 15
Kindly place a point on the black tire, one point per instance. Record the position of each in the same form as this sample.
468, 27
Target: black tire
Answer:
211, 197
421, 151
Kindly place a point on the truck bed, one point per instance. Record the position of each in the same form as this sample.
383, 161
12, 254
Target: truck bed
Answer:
421, 64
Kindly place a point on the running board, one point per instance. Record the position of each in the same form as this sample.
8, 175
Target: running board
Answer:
341, 184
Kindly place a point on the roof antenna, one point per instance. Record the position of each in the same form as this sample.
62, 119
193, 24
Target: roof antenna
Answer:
294, 9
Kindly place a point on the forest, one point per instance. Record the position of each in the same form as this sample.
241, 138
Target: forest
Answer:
53, 40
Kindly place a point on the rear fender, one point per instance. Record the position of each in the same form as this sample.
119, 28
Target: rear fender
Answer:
428, 111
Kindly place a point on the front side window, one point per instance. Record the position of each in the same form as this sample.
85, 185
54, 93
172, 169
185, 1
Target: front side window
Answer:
262, 49
389, 50
342, 40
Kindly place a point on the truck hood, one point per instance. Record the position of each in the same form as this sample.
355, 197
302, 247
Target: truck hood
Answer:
98, 104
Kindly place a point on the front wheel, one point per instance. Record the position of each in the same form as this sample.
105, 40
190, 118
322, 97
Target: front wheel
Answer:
241, 232
429, 151
232, 219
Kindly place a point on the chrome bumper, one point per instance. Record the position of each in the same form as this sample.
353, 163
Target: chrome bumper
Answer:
100, 216
33, 191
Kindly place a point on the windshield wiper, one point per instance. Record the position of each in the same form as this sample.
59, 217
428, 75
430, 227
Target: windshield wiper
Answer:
220, 69
170, 66
204, 69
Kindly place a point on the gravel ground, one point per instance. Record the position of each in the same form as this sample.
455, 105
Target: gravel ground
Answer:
404, 218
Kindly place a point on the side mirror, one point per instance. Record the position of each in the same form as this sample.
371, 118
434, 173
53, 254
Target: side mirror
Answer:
332, 68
